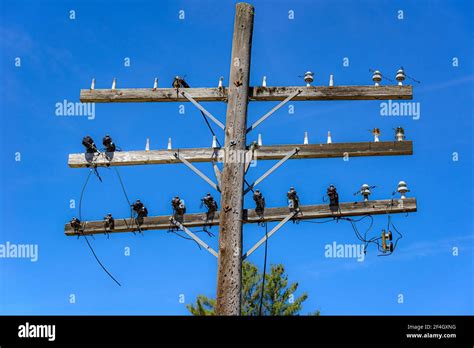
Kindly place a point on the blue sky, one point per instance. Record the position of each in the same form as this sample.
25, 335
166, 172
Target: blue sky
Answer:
59, 56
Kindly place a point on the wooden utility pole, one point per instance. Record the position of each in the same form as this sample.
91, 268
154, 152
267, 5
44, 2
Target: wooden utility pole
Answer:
229, 273
237, 155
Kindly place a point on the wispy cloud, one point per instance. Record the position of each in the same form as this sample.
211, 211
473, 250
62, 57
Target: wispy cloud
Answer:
445, 84
19, 43
404, 252
46, 62
434, 247
16, 40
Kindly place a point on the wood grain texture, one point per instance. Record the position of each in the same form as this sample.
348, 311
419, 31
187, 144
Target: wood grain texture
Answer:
229, 263
319, 211
143, 95
275, 93
332, 93
273, 152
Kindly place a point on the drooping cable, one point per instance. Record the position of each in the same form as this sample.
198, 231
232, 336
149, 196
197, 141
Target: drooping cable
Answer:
184, 237
100, 263
183, 84
123, 186
85, 236
210, 128
129, 204
128, 201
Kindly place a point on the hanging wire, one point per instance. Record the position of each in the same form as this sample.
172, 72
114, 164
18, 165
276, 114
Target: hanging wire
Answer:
85, 236
82, 193
100, 263
123, 186
363, 238
209, 233
184, 237
132, 219
389, 222
399, 233
210, 128
128, 201
205, 119
317, 222
249, 186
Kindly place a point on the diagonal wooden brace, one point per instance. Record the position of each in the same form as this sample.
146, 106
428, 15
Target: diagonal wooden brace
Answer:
217, 172
272, 169
201, 108
269, 234
197, 171
268, 114
193, 236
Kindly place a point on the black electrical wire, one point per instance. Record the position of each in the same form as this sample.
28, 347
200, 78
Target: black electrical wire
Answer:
96, 172
87, 240
184, 237
400, 236
356, 230
249, 186
209, 233
94, 165
210, 128
129, 204
82, 193
317, 222
208, 124
126, 197
399, 233
374, 240
100, 263
389, 222
357, 220
364, 239
264, 270
354, 226
123, 186
171, 230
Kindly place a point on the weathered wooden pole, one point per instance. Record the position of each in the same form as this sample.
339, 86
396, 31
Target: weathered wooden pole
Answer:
229, 277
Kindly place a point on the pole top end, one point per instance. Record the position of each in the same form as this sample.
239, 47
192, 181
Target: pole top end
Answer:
245, 5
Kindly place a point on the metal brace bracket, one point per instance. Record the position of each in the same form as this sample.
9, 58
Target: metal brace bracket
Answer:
201, 108
269, 234
197, 171
193, 236
268, 114
272, 169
